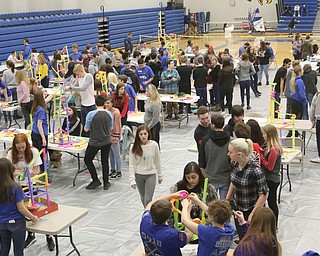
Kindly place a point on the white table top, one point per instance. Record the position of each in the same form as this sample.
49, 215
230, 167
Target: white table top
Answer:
172, 98
288, 156
57, 221
11, 108
4, 66
314, 64
136, 117
300, 125
53, 146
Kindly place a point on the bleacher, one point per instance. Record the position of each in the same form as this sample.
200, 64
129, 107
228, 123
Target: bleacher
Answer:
306, 23
51, 30
47, 31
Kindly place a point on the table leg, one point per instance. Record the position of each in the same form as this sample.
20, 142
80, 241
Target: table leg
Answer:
281, 181
78, 171
71, 242
288, 176
57, 244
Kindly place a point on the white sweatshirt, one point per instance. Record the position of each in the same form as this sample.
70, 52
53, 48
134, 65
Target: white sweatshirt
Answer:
148, 163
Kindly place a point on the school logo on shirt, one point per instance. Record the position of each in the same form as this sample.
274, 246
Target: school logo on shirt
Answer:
151, 249
222, 246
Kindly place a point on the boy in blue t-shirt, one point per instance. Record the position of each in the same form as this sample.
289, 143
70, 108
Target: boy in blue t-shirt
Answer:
157, 237
214, 239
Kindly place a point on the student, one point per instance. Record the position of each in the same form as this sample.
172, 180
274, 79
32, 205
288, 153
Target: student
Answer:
213, 73
237, 114
263, 57
23, 93
280, 80
156, 67
203, 127
170, 79
144, 73
12, 211
133, 101
315, 119
6, 96
242, 130
144, 164
8, 77
256, 133
227, 29
153, 108
128, 46
213, 156
99, 122
185, 72
200, 82
248, 188
39, 132
291, 25
85, 59
43, 72
76, 56
121, 102
306, 48
93, 66
271, 164
226, 83
157, 237
214, 239
85, 85
245, 70
114, 156
260, 237
21, 154
193, 182
27, 49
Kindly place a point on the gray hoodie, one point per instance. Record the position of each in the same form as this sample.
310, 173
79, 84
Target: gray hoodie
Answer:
315, 108
244, 70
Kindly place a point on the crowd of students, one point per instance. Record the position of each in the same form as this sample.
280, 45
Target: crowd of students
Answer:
244, 176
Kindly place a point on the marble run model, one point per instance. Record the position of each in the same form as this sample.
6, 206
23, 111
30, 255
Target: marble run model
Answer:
36, 189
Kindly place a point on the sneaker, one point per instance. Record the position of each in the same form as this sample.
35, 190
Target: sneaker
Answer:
30, 240
94, 185
106, 186
315, 160
168, 118
267, 83
50, 243
248, 107
112, 173
257, 95
259, 83
116, 176
242, 104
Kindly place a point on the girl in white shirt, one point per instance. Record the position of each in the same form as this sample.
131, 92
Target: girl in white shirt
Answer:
144, 165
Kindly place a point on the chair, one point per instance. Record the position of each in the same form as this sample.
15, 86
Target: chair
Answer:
312, 132
299, 144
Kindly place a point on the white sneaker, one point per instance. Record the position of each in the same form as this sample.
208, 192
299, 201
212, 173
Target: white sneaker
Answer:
315, 160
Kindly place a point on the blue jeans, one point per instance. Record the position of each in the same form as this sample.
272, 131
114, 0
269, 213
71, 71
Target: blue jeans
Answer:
84, 112
222, 188
263, 68
114, 156
245, 86
15, 231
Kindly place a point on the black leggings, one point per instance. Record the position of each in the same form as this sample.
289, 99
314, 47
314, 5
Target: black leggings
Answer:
272, 198
238, 227
155, 133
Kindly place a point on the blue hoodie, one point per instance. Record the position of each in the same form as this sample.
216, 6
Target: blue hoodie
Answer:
300, 94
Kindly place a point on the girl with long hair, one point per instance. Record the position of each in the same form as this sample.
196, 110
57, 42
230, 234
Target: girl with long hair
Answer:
260, 237
43, 71
114, 155
193, 182
152, 108
226, 82
144, 165
263, 56
22, 153
271, 164
251, 51
298, 95
12, 211
39, 133
121, 102
256, 133
112, 82
23, 93
248, 189
8, 78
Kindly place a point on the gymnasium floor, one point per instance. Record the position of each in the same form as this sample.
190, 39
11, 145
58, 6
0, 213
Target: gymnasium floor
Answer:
112, 224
